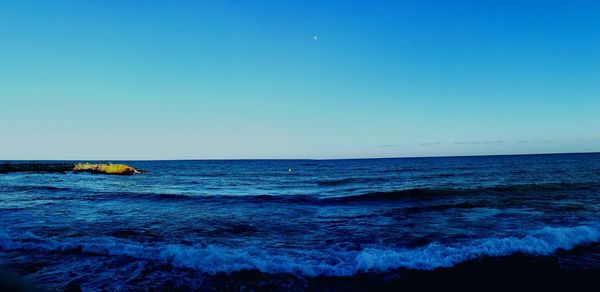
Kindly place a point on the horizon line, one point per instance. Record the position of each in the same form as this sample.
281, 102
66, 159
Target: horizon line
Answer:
317, 159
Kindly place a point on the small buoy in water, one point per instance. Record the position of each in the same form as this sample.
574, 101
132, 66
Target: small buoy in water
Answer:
289, 170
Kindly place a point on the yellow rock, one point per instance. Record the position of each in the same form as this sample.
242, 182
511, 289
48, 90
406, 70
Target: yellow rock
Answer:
105, 168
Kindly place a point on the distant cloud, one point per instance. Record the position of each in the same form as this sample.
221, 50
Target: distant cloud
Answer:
534, 141
587, 140
328, 146
431, 143
479, 142
391, 145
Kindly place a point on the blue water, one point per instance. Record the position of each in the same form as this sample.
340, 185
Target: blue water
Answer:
188, 221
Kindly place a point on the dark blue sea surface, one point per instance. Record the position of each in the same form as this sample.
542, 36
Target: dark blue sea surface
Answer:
186, 223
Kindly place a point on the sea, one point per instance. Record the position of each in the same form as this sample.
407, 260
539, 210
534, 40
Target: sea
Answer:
299, 225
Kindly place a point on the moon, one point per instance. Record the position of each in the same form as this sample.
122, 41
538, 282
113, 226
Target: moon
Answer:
315, 37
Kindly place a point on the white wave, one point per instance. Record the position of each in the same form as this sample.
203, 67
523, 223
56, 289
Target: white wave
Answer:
545, 241
213, 258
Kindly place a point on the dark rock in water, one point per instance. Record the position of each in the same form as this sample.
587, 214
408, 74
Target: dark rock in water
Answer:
35, 167
9, 281
72, 286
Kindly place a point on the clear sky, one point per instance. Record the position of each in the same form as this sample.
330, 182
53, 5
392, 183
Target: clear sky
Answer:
303, 79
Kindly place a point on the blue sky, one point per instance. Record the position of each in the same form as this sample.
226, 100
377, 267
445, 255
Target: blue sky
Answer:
247, 79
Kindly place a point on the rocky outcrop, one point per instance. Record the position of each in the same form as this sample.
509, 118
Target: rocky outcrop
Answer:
107, 168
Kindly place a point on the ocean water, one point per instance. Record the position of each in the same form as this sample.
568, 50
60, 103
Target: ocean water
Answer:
194, 224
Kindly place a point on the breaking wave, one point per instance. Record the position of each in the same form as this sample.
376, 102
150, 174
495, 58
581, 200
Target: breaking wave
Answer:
214, 259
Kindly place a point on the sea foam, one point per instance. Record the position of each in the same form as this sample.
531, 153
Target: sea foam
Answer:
334, 262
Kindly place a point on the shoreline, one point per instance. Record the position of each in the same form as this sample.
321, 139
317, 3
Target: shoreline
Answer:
507, 272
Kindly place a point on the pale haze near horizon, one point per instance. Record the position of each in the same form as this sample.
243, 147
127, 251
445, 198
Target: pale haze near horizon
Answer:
86, 80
